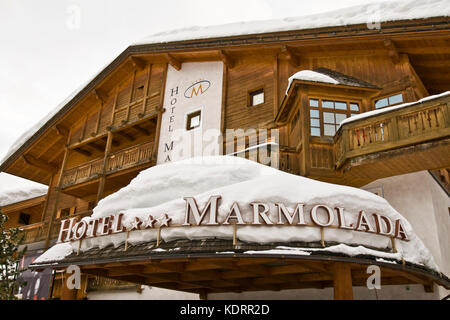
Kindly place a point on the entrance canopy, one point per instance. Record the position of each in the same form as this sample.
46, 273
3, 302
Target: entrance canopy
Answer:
226, 224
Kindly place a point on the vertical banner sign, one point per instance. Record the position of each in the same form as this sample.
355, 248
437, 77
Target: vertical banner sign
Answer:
37, 283
190, 126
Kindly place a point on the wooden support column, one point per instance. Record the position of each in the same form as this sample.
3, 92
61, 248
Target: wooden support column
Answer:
305, 156
275, 85
146, 91
58, 191
101, 184
47, 197
342, 281
66, 293
224, 100
157, 135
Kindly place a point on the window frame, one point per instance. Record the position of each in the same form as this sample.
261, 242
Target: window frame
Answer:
387, 96
348, 112
189, 116
22, 214
254, 92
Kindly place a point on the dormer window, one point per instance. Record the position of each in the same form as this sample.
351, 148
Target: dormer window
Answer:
389, 101
326, 115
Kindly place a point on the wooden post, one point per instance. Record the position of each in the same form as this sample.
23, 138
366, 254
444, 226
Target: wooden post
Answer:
342, 281
66, 293
101, 184
47, 198
58, 191
305, 157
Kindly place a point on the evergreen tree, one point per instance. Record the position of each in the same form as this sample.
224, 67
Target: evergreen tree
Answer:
10, 255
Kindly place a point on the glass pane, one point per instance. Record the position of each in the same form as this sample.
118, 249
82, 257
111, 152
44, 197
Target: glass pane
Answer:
328, 117
314, 113
353, 114
315, 132
381, 103
398, 98
340, 117
195, 121
354, 107
340, 105
328, 104
329, 129
313, 102
315, 122
257, 98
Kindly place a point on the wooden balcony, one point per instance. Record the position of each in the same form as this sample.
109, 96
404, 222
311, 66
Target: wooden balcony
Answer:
398, 141
38, 231
120, 160
391, 130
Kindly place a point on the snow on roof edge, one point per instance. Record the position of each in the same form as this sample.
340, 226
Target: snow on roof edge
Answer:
14, 196
371, 13
396, 107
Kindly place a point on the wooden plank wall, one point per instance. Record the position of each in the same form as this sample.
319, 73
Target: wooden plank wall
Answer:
135, 97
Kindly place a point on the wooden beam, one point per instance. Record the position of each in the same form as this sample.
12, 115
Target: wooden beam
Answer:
83, 152
290, 55
32, 161
141, 130
97, 147
126, 135
342, 281
392, 50
100, 95
62, 131
227, 60
174, 62
137, 62
114, 142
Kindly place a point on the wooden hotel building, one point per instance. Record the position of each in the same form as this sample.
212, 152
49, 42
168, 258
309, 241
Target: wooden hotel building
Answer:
354, 105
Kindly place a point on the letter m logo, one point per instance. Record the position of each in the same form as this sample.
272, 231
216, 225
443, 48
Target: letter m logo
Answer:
199, 89
168, 147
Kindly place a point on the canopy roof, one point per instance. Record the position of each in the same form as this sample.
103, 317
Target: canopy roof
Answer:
161, 189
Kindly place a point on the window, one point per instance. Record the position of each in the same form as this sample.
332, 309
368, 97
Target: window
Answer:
389, 101
256, 97
326, 115
24, 218
193, 120
64, 213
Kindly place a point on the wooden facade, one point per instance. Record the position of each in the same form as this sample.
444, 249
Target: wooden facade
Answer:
109, 132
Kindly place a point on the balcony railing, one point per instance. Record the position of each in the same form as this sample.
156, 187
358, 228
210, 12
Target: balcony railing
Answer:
119, 160
395, 129
38, 231
130, 157
82, 173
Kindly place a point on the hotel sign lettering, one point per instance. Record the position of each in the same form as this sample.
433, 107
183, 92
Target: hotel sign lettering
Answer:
318, 215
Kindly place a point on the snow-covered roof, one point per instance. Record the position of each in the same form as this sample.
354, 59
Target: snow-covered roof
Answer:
400, 106
369, 13
324, 75
374, 12
161, 189
18, 195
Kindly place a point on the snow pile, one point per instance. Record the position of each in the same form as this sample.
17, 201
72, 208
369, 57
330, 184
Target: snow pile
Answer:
14, 196
57, 252
160, 189
400, 106
309, 75
370, 14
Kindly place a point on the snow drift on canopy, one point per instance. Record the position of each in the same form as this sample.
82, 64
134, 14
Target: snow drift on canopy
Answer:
161, 189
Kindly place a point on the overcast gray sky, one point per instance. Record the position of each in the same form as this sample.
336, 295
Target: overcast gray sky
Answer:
50, 47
